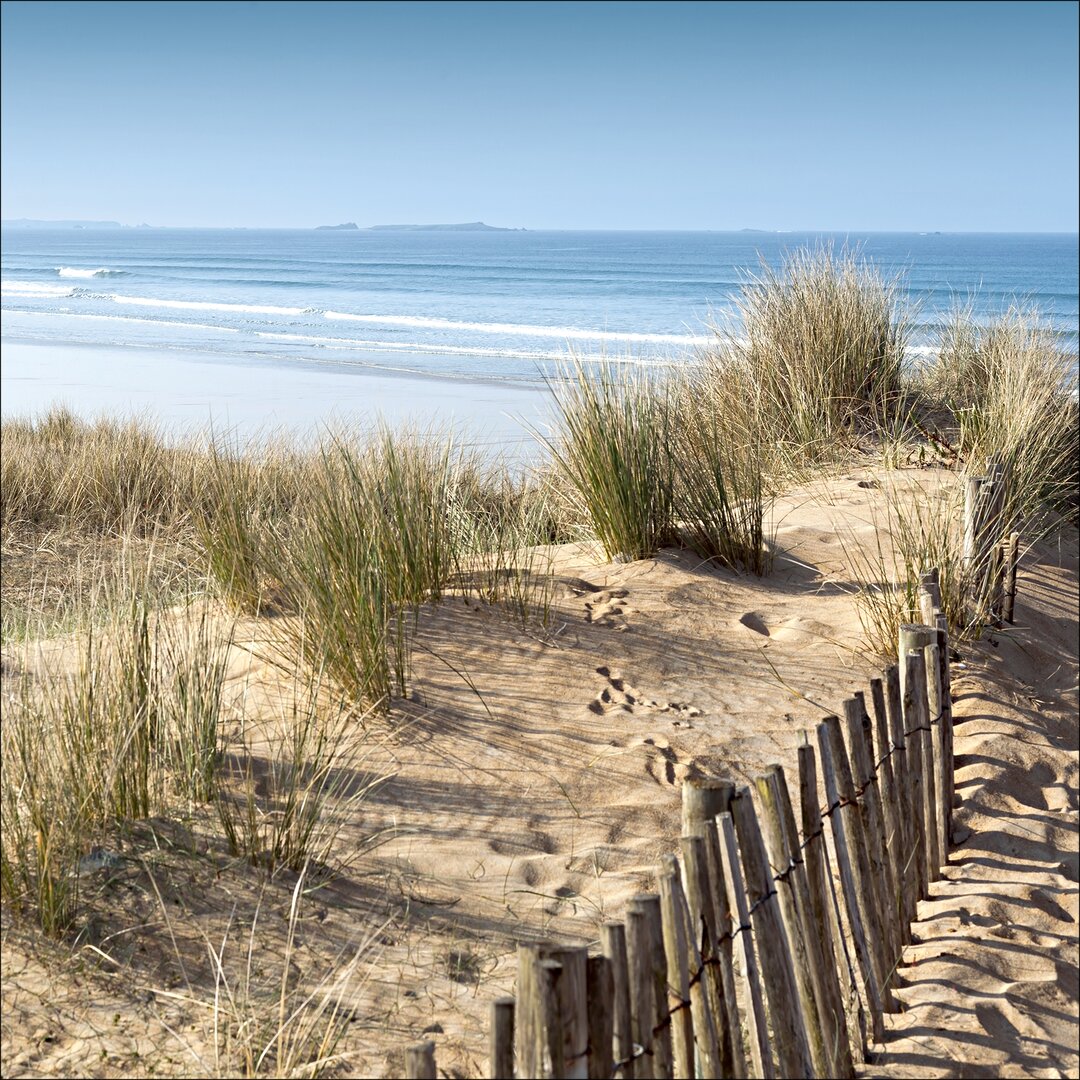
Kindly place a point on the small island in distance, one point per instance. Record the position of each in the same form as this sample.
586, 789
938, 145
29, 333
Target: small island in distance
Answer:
468, 226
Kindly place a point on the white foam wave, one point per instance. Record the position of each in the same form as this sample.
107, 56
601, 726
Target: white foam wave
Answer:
34, 288
570, 333
79, 272
206, 305
420, 348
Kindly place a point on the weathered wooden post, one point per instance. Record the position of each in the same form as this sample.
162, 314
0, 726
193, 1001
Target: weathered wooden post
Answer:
819, 891
871, 814
502, 1039
702, 801
1012, 560
676, 949
760, 1049
854, 876
420, 1061
648, 986
927, 698
788, 1023
600, 1002
613, 944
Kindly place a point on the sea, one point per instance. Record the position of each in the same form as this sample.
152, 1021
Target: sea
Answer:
504, 306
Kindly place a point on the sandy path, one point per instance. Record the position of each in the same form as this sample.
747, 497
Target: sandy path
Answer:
990, 984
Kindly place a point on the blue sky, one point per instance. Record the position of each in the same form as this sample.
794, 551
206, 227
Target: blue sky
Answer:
840, 116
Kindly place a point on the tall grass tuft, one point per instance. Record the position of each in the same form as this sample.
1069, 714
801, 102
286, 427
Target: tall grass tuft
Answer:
613, 444
721, 489
818, 358
119, 728
1013, 397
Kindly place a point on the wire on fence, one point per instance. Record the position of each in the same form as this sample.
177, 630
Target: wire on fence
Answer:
793, 863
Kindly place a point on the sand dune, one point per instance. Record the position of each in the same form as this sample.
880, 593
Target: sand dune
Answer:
534, 780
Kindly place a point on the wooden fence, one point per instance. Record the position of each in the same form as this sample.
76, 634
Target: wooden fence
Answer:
771, 945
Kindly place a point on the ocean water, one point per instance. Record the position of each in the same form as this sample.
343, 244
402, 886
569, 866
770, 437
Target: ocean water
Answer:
503, 306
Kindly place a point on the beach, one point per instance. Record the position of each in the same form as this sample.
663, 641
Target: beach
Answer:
190, 392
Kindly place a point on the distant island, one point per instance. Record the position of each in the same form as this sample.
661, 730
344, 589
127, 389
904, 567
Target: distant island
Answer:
469, 226
31, 223
347, 225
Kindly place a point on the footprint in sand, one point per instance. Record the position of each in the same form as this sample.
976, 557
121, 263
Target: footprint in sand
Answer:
662, 762
608, 607
619, 695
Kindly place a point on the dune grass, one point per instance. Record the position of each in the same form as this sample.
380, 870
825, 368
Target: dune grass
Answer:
120, 725
1011, 396
817, 357
613, 444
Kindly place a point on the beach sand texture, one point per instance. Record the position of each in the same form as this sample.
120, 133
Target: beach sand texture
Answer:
535, 783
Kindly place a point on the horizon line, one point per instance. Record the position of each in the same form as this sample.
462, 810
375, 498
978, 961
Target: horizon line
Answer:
108, 225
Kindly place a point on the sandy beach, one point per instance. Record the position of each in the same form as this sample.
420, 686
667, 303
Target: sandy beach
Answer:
192, 392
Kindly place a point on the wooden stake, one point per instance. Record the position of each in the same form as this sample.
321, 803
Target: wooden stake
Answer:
788, 1025
704, 936
550, 977
645, 955
782, 865
857, 901
815, 859
702, 800
905, 859
916, 720
948, 795
420, 1061
872, 816
891, 807
613, 944
600, 1007
529, 1034
1012, 561
676, 949
502, 1039
760, 1050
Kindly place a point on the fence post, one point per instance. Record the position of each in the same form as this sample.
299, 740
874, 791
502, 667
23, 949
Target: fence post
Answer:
648, 985
760, 1050
857, 903
920, 732
676, 950
788, 1024
704, 926
948, 786
815, 858
529, 1030
703, 800
891, 806
613, 944
905, 859
600, 1003
781, 859
1012, 559
550, 978
693, 985
871, 813
502, 1039
420, 1061
936, 708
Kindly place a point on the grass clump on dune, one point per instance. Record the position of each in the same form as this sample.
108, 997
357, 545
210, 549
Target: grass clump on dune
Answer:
818, 359
1011, 396
122, 729
613, 443
653, 463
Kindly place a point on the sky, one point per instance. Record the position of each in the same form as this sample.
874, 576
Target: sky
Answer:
845, 116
